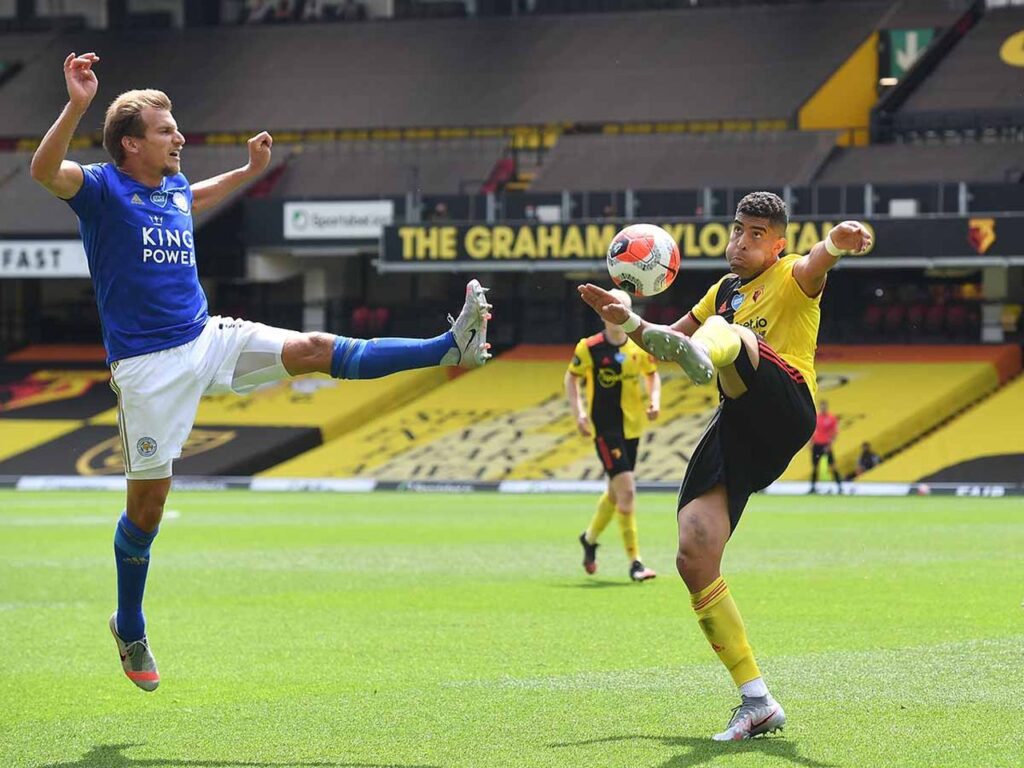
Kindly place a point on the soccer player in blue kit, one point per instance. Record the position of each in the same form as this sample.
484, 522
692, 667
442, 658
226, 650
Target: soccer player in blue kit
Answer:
164, 350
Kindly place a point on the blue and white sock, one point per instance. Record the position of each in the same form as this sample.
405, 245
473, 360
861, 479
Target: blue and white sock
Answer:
373, 358
131, 552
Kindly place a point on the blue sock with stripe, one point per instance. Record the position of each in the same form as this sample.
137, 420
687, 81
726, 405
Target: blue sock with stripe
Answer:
131, 552
373, 358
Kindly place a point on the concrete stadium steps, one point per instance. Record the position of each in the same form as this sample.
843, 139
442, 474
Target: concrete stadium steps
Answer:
526, 71
983, 444
679, 161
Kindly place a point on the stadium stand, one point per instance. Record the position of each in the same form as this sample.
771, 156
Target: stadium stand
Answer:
533, 70
58, 415
505, 421
339, 169
509, 421
679, 161
921, 163
983, 444
26, 208
973, 87
891, 396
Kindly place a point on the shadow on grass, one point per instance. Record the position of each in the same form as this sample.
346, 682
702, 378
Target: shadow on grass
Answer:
703, 751
595, 584
111, 756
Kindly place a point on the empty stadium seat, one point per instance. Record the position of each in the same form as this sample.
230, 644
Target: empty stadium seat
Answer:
872, 319
972, 86
915, 163
892, 323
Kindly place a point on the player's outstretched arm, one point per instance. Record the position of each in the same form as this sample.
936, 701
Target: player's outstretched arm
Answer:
49, 167
845, 238
209, 192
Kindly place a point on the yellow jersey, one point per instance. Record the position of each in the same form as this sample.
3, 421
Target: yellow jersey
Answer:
615, 387
775, 307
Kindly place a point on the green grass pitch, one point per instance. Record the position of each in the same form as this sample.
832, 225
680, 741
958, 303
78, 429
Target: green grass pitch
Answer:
460, 630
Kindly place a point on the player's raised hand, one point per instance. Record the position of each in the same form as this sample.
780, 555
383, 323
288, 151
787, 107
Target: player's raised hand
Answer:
851, 236
259, 151
80, 79
604, 303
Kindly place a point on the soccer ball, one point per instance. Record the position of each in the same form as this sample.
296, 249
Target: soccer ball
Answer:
643, 259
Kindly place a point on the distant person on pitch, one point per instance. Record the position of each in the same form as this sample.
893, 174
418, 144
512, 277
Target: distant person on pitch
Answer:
826, 429
615, 372
164, 349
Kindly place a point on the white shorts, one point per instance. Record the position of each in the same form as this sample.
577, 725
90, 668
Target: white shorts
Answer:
158, 393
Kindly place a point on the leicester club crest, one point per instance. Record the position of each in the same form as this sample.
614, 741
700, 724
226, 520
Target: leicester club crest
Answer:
146, 447
179, 201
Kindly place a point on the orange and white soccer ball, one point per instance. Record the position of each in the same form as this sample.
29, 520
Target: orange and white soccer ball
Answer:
643, 259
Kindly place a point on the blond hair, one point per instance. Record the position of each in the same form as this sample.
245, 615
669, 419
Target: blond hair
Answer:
124, 118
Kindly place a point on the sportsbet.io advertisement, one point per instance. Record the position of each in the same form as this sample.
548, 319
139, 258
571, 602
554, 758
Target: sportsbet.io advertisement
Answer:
923, 240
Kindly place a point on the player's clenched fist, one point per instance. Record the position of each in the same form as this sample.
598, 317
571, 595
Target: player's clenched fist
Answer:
259, 151
80, 79
851, 236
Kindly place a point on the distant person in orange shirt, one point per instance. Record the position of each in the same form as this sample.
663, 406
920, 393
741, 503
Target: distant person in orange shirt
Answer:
825, 431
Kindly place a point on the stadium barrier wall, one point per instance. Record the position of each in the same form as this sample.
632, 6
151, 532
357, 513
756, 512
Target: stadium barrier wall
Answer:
368, 485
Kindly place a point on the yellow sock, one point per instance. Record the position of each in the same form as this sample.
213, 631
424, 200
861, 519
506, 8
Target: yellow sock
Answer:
722, 625
601, 518
627, 527
720, 340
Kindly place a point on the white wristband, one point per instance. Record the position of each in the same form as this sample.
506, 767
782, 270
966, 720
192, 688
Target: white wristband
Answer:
832, 248
632, 322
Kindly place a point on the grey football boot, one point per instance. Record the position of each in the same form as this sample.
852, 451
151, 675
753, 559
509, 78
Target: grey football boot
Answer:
674, 347
469, 330
136, 659
755, 715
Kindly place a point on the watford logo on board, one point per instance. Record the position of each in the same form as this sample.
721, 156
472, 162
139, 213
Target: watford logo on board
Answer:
43, 387
981, 234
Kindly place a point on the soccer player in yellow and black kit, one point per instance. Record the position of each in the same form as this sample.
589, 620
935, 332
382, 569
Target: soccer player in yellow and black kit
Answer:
615, 370
757, 327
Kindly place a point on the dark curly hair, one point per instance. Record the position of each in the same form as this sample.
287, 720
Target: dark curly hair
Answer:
765, 205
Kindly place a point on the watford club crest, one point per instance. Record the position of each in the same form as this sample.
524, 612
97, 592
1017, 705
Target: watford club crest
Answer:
617, 453
981, 234
42, 387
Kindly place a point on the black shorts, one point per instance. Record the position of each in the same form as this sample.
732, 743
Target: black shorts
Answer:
617, 454
817, 451
750, 440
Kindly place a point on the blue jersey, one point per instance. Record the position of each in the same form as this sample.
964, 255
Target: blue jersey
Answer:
142, 259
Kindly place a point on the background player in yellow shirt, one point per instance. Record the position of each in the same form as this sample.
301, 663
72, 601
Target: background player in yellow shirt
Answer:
757, 328
614, 370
